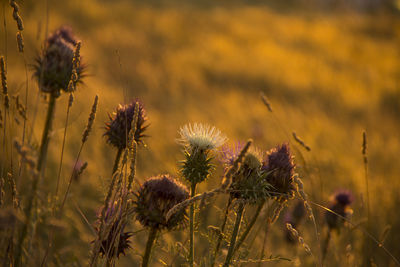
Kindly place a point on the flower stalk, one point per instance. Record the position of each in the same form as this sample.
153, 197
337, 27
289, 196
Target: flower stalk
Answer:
235, 232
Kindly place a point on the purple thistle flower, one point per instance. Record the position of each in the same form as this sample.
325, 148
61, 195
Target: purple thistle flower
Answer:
155, 198
113, 221
340, 204
53, 67
117, 129
279, 166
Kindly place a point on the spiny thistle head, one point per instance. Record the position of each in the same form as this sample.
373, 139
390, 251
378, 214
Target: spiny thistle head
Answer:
117, 129
200, 137
340, 204
279, 166
53, 67
249, 182
198, 140
155, 198
115, 233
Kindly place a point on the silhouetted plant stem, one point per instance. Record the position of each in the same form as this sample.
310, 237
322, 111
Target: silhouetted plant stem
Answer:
42, 156
191, 227
63, 145
117, 159
234, 235
250, 226
149, 246
45, 136
267, 225
326, 245
222, 229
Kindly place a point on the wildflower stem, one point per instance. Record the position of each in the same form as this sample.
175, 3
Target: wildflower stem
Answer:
149, 246
62, 149
42, 156
250, 226
234, 235
117, 158
45, 136
222, 229
326, 245
191, 227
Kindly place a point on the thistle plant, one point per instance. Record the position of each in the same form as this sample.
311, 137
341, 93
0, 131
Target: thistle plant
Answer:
120, 124
53, 70
339, 209
199, 141
152, 202
116, 240
249, 186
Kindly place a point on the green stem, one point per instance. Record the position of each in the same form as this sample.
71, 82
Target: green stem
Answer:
149, 246
250, 226
234, 235
42, 156
117, 158
191, 227
222, 229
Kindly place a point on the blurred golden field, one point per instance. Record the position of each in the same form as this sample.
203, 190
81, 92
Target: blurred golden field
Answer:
329, 74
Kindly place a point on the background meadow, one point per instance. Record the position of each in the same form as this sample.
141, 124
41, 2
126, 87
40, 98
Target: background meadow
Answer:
330, 71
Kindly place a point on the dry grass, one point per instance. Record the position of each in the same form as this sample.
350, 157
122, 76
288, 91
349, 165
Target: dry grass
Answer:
327, 75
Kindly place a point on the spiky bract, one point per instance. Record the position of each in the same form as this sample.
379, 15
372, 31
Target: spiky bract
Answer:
117, 129
155, 198
249, 183
53, 66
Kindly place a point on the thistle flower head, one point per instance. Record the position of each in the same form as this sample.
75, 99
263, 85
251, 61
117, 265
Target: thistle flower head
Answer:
339, 204
229, 153
155, 198
114, 228
249, 182
200, 137
53, 67
279, 167
117, 129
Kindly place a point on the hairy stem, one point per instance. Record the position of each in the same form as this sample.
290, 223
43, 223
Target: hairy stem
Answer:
234, 235
42, 156
45, 136
250, 226
149, 246
191, 227
222, 229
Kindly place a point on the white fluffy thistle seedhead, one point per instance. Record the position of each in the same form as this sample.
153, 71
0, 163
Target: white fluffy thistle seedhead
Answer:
198, 140
200, 136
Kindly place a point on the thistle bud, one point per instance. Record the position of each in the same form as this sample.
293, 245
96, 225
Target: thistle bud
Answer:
279, 167
117, 129
155, 198
248, 183
198, 141
53, 67
339, 204
115, 227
